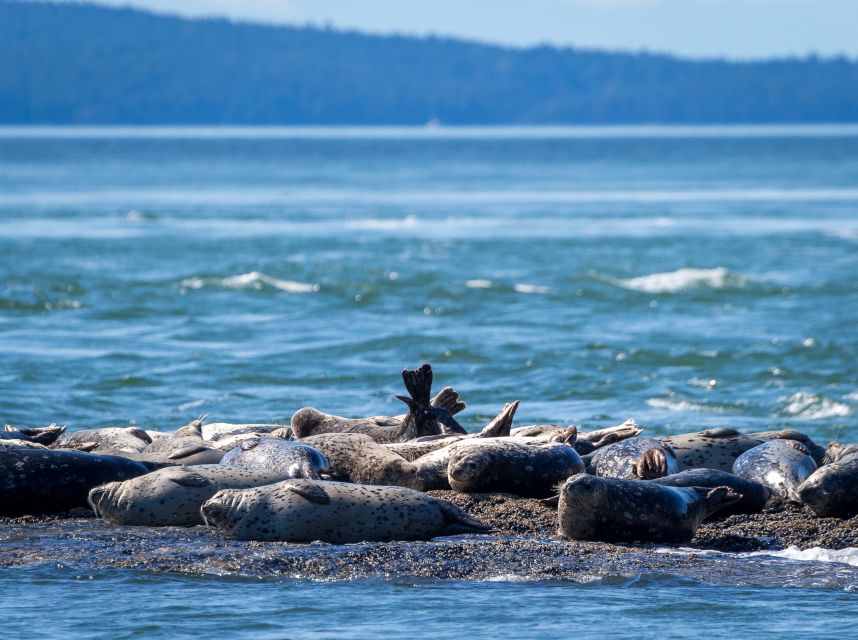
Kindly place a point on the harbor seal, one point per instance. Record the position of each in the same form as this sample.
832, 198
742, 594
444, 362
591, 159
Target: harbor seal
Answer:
499, 427
357, 458
532, 471
614, 510
131, 439
710, 449
633, 459
780, 465
336, 512
290, 458
215, 431
817, 452
40, 435
424, 418
39, 481
171, 496
586, 442
832, 490
753, 495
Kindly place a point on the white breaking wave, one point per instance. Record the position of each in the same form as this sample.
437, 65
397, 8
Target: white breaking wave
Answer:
253, 280
680, 280
680, 405
810, 406
531, 288
849, 555
478, 283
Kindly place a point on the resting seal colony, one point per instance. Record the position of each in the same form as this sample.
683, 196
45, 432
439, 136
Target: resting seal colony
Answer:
345, 480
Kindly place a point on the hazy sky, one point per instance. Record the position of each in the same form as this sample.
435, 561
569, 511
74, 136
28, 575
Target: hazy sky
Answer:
733, 28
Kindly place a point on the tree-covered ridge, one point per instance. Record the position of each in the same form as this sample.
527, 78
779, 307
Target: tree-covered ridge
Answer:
86, 64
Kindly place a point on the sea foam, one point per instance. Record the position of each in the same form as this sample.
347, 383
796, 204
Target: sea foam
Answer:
253, 280
680, 280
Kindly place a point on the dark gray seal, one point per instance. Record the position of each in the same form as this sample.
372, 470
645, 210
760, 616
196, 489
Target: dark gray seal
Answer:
424, 417
780, 465
171, 496
832, 490
587, 441
613, 510
710, 449
336, 512
633, 459
131, 439
40, 481
40, 435
291, 458
753, 495
521, 469
355, 457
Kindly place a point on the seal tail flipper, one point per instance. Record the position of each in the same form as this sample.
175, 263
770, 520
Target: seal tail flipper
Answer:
652, 465
459, 522
448, 398
418, 383
187, 451
552, 503
502, 423
312, 493
716, 499
604, 437
40, 435
569, 436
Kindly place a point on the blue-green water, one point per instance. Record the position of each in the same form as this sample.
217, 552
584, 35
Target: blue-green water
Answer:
687, 278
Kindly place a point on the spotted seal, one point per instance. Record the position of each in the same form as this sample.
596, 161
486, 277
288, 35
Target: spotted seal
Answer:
586, 442
832, 490
290, 458
336, 512
40, 435
513, 467
39, 481
356, 457
633, 459
215, 431
171, 496
816, 451
425, 417
614, 510
499, 427
753, 495
780, 465
131, 439
710, 449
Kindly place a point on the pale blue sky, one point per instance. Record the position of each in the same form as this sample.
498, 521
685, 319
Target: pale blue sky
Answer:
732, 28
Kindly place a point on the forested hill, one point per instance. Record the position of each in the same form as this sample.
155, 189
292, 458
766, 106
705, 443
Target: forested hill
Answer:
87, 64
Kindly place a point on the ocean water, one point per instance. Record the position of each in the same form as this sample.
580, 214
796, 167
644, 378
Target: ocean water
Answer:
685, 277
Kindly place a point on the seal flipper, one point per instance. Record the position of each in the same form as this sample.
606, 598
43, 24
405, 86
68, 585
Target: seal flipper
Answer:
418, 383
569, 436
250, 443
311, 493
191, 479
459, 522
552, 503
604, 437
652, 465
137, 432
284, 432
502, 424
187, 451
716, 499
40, 435
448, 398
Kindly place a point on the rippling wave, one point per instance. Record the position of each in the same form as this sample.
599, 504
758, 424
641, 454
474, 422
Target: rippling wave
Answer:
253, 280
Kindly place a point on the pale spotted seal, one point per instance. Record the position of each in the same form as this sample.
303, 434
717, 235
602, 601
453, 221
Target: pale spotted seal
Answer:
710, 449
337, 512
423, 418
832, 490
171, 496
780, 465
39, 481
587, 441
131, 439
513, 467
816, 451
613, 510
355, 457
290, 458
633, 459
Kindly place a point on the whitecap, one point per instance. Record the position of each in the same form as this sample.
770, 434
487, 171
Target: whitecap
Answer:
531, 288
253, 280
811, 406
680, 405
478, 283
387, 224
680, 280
849, 555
